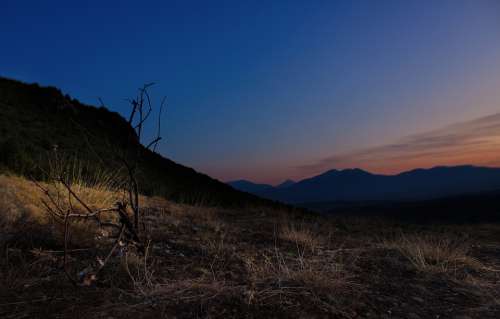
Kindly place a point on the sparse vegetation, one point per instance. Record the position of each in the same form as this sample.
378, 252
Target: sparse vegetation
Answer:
301, 234
436, 252
219, 262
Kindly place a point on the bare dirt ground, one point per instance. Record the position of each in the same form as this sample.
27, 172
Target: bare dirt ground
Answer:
251, 263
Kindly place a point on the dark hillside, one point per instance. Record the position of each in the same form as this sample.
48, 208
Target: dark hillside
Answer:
33, 119
249, 187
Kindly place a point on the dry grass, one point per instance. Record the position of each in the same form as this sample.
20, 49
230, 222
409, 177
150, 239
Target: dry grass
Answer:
295, 271
306, 269
19, 199
435, 253
204, 217
192, 290
140, 270
24, 199
301, 234
25, 208
204, 261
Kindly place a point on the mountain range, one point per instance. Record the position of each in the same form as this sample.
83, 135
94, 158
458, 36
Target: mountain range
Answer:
360, 185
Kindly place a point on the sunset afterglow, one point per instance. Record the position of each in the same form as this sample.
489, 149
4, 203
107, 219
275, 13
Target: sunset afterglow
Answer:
283, 89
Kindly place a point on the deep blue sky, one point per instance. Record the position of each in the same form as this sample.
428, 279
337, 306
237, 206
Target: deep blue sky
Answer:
260, 90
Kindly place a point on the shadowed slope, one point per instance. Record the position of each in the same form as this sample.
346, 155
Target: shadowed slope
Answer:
34, 119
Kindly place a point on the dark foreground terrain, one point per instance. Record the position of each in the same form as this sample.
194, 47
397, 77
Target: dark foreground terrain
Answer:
466, 208
248, 263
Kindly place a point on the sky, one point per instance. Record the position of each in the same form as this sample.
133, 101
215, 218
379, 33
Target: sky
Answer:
270, 90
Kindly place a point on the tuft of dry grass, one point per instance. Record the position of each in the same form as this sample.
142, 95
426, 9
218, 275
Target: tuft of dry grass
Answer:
19, 199
140, 271
300, 234
207, 217
435, 253
282, 274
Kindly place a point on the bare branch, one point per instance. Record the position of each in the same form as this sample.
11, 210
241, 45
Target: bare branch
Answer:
66, 238
154, 142
60, 203
159, 123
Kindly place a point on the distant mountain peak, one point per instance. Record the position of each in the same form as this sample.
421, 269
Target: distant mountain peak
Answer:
355, 170
286, 183
346, 171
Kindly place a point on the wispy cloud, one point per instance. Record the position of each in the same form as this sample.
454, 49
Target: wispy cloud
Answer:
472, 142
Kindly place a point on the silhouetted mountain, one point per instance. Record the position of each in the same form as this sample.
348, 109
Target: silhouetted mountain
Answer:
285, 184
249, 187
359, 185
33, 119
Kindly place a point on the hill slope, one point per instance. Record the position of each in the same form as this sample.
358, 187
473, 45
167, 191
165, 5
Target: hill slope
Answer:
249, 187
33, 119
255, 188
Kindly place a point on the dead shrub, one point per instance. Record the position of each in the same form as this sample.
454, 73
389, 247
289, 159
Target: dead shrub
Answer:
140, 270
